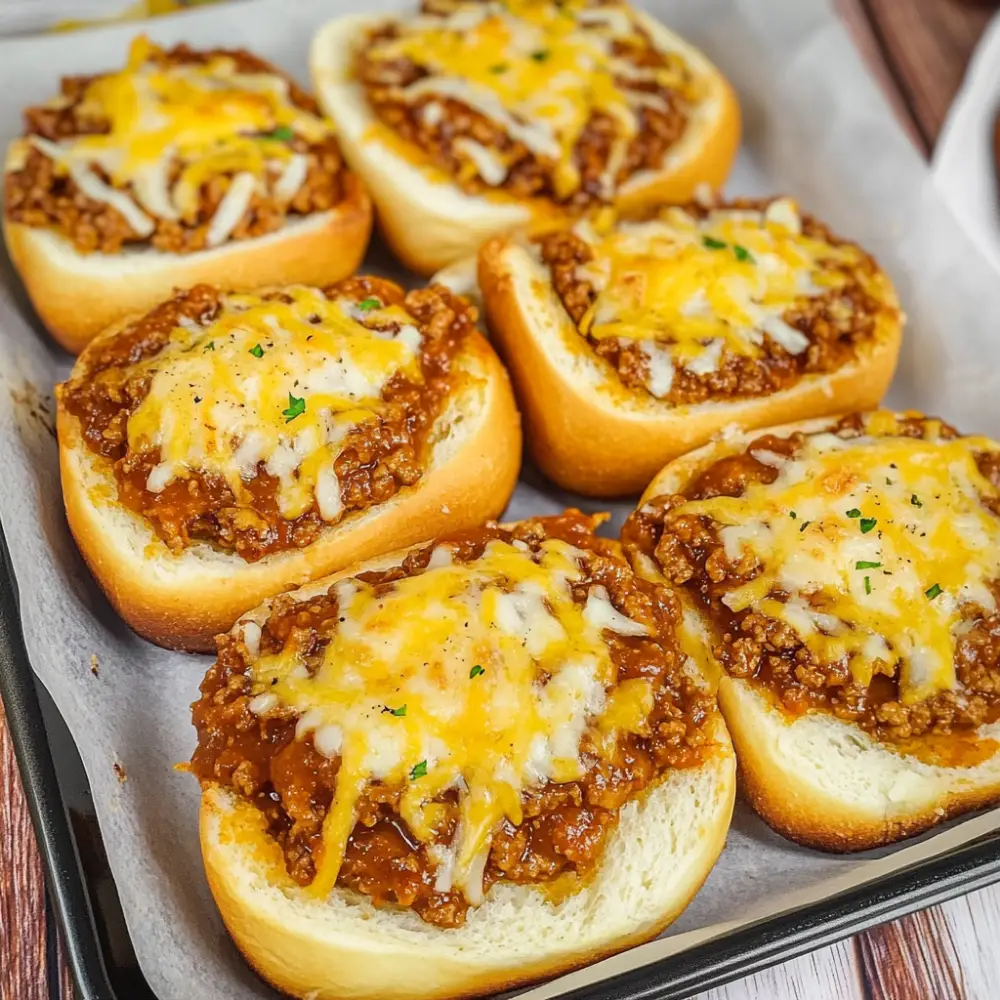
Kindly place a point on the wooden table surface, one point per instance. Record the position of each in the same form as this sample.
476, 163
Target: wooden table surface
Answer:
919, 49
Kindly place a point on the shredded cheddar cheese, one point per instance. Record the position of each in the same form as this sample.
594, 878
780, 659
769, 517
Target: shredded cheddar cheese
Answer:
870, 548
692, 291
540, 71
172, 127
481, 678
274, 383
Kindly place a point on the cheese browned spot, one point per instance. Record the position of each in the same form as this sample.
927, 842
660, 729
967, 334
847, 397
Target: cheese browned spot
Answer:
564, 100
254, 420
495, 699
174, 141
733, 300
847, 560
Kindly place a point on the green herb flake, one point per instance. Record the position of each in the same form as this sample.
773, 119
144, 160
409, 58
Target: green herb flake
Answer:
931, 592
866, 524
541, 55
854, 512
398, 712
210, 346
296, 407
257, 351
418, 770
868, 585
865, 564
366, 305
476, 671
914, 501
713, 244
743, 255
281, 134
805, 524
792, 514
498, 68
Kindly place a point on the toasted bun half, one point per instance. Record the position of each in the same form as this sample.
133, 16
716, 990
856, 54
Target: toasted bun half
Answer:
590, 433
656, 858
78, 295
819, 780
430, 222
183, 601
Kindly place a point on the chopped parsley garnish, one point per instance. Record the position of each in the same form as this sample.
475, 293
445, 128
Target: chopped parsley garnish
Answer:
398, 712
257, 351
418, 770
366, 305
498, 68
865, 564
210, 346
792, 514
854, 512
868, 585
915, 501
743, 255
712, 243
931, 592
282, 133
805, 524
476, 671
541, 55
866, 524
296, 407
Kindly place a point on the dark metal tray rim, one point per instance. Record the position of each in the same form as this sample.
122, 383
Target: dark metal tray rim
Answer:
713, 963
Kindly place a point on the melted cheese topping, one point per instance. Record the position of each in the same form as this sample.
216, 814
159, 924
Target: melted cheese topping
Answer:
273, 383
691, 291
539, 71
882, 544
480, 677
195, 120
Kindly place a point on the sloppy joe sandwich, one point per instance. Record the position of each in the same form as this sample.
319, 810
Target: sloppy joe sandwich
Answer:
849, 570
459, 768
632, 342
472, 118
227, 446
182, 167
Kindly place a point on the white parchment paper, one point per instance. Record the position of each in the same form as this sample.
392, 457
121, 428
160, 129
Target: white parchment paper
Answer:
815, 127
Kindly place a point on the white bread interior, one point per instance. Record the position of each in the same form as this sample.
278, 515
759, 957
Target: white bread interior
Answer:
183, 600
590, 433
78, 295
655, 860
430, 222
819, 780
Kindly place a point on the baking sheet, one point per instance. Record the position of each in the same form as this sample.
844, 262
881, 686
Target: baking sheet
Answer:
816, 127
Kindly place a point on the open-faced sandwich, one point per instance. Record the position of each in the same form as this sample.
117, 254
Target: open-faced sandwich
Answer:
476, 117
182, 167
850, 571
632, 342
459, 768
227, 446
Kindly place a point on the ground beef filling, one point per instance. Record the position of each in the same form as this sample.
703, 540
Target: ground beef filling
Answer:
836, 322
40, 195
769, 652
565, 825
528, 174
377, 459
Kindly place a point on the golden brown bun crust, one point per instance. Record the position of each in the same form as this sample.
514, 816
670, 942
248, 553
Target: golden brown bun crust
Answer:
878, 796
607, 440
430, 222
181, 603
801, 812
77, 296
309, 962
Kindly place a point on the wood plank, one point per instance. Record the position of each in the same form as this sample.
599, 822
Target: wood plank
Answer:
22, 888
